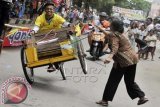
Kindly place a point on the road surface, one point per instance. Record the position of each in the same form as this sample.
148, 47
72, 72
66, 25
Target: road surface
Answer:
79, 90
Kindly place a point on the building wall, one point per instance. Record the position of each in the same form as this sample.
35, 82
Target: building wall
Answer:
155, 9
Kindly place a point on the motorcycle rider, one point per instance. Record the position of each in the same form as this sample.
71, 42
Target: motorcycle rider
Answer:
102, 22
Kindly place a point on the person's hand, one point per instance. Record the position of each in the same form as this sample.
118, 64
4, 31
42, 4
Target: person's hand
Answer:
108, 60
98, 27
72, 30
32, 32
101, 28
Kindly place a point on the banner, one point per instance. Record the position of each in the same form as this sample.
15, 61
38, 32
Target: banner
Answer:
16, 36
129, 13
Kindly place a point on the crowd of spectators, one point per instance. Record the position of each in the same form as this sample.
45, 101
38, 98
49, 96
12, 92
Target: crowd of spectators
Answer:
29, 9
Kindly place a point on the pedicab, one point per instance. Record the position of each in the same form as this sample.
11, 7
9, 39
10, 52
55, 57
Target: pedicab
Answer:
50, 47
55, 46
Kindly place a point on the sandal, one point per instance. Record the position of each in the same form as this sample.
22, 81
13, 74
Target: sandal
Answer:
142, 100
103, 103
51, 69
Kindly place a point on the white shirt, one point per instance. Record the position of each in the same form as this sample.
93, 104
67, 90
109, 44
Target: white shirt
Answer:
126, 21
132, 33
157, 26
151, 40
81, 15
142, 34
149, 27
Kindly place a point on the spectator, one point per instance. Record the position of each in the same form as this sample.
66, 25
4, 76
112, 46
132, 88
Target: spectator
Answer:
81, 16
142, 32
133, 33
151, 41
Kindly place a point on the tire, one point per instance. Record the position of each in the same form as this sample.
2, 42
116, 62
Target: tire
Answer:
94, 53
82, 57
28, 72
62, 70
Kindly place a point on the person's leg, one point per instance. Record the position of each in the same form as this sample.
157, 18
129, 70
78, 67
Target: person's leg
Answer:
152, 54
133, 89
106, 45
112, 84
56, 65
146, 55
89, 41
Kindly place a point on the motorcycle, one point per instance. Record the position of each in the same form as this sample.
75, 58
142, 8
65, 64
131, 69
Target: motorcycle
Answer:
96, 40
97, 45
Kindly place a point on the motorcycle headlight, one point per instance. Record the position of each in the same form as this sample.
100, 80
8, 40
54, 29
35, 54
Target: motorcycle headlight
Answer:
97, 38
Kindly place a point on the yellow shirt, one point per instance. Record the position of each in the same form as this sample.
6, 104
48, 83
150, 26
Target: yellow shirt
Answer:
56, 22
78, 30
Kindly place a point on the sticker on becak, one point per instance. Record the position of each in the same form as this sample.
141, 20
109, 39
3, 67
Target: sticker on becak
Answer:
17, 36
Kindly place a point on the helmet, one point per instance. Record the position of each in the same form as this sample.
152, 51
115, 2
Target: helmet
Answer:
103, 14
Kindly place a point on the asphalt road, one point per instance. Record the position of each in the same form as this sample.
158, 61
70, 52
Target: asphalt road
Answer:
79, 90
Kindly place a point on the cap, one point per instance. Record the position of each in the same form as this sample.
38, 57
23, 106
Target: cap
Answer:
49, 3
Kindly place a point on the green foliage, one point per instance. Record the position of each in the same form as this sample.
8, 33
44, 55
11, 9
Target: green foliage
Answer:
134, 4
106, 5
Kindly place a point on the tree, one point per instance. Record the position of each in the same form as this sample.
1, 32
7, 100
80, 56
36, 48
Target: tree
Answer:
106, 5
134, 4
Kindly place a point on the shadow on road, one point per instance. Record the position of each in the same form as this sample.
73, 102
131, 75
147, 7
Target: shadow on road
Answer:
50, 88
12, 48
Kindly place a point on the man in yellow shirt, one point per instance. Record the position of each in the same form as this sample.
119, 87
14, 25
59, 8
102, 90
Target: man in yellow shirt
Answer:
47, 21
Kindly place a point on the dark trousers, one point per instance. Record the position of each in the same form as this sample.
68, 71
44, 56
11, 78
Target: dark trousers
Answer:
4, 14
114, 79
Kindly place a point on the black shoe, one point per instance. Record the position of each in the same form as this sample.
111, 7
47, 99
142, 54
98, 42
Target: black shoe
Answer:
142, 100
102, 53
103, 103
